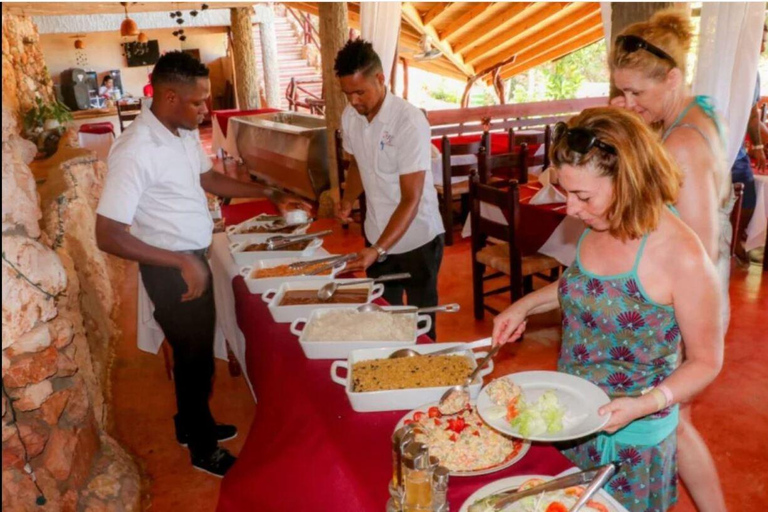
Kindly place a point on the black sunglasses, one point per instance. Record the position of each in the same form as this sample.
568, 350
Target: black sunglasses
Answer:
631, 44
580, 140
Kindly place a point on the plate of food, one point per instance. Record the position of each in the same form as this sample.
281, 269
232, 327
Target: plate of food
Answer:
543, 406
463, 442
560, 500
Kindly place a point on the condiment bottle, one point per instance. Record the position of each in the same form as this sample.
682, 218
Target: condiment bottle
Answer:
417, 491
440, 489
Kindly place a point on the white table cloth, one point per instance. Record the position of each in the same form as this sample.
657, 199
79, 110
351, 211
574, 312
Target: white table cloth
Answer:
759, 223
226, 143
100, 143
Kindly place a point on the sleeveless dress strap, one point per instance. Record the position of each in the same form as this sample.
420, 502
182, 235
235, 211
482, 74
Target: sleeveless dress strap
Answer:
639, 256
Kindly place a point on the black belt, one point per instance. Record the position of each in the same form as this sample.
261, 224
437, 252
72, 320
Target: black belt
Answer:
197, 252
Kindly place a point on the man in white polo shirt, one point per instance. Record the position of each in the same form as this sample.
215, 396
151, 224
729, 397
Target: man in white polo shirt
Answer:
154, 210
388, 140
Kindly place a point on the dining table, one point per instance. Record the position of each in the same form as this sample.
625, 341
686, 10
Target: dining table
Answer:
307, 450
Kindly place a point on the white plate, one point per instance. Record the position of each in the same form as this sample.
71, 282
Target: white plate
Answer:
515, 481
580, 398
477, 472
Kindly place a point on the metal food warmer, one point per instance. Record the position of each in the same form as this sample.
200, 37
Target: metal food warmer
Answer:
285, 149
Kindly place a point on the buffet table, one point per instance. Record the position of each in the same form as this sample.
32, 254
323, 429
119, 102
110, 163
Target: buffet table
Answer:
224, 139
307, 449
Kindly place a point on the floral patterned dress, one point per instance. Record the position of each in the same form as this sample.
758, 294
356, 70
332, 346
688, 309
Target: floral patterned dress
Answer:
622, 341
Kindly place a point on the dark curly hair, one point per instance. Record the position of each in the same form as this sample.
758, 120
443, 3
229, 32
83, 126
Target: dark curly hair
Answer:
178, 67
357, 56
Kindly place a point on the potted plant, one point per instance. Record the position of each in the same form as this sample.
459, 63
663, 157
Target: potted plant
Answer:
44, 124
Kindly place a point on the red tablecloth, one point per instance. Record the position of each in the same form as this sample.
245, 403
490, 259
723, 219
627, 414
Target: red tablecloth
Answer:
307, 450
499, 143
537, 222
222, 116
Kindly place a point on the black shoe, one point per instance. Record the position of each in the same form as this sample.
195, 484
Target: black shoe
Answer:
223, 433
216, 464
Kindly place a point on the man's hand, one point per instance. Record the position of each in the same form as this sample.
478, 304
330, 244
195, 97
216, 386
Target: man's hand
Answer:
365, 259
196, 274
288, 202
344, 211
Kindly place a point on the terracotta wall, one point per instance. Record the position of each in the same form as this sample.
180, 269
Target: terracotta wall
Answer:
103, 51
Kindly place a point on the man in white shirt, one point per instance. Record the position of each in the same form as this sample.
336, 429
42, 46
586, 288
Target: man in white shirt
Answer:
153, 210
388, 140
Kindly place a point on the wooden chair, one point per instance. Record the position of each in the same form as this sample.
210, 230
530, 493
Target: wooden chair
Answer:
126, 113
544, 138
504, 258
505, 166
738, 192
342, 166
447, 191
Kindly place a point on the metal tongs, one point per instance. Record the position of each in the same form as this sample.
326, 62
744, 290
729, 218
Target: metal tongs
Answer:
278, 242
595, 477
337, 261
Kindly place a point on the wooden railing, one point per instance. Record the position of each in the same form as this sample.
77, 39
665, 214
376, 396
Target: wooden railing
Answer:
311, 101
310, 33
464, 121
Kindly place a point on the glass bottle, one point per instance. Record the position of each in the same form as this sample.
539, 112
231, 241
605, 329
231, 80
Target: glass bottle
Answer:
440, 489
417, 489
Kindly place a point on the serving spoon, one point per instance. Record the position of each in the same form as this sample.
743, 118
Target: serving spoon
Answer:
375, 308
463, 389
327, 291
408, 352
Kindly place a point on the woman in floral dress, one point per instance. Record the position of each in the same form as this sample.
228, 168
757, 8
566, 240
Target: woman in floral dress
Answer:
640, 282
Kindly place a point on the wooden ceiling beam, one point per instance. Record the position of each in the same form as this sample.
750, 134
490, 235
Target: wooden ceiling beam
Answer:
435, 12
466, 20
584, 18
585, 39
514, 30
492, 26
412, 16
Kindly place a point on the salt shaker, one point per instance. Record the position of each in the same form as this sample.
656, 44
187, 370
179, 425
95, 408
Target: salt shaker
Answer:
417, 489
400, 439
440, 489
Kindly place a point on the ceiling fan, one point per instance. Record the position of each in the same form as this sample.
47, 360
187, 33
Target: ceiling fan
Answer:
428, 52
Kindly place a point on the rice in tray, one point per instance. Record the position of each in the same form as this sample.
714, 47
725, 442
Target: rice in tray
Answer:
409, 372
340, 325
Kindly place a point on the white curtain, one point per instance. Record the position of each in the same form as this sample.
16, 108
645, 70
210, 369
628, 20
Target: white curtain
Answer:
729, 48
380, 24
605, 13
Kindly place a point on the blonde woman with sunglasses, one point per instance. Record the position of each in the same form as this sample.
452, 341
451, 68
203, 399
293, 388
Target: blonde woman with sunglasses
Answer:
647, 64
641, 283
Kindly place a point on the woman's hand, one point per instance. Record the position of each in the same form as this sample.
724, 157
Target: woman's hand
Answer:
625, 410
509, 325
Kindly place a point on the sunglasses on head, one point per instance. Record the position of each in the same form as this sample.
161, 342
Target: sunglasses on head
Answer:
580, 140
631, 44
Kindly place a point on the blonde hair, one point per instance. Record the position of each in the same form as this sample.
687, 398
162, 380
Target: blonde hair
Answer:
670, 30
645, 177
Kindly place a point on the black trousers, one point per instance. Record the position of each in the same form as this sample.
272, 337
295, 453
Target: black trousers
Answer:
189, 328
423, 263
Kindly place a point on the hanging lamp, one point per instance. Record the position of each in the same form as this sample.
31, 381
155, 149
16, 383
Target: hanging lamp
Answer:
128, 27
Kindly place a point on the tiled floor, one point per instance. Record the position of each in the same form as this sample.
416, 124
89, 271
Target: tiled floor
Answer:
731, 414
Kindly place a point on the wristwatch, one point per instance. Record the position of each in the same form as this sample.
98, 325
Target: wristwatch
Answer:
382, 252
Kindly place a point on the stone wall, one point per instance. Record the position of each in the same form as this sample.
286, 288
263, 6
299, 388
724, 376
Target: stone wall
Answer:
55, 449
58, 305
25, 76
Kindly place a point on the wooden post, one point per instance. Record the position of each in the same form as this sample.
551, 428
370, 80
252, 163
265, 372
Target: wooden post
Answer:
269, 60
625, 14
405, 78
244, 52
334, 33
